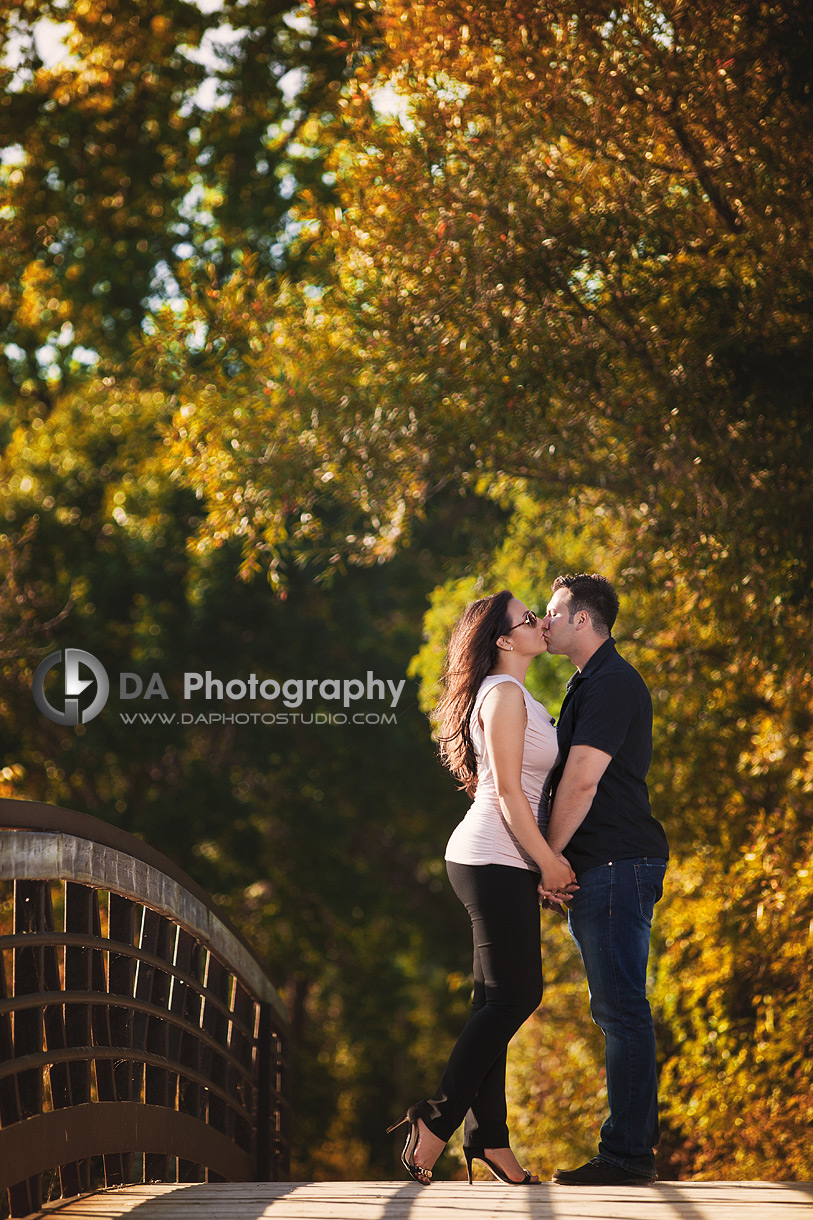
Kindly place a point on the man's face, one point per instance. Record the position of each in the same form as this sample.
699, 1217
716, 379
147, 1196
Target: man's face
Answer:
558, 628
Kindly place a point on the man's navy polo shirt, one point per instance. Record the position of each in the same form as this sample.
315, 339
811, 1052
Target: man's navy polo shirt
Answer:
608, 706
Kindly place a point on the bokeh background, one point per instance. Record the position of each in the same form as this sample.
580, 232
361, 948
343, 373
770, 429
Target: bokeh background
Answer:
319, 320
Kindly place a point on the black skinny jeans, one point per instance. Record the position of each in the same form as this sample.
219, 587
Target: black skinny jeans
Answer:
503, 906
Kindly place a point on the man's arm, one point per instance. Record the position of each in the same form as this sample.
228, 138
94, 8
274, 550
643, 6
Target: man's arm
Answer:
574, 795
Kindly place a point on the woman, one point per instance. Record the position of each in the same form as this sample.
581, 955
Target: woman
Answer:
501, 744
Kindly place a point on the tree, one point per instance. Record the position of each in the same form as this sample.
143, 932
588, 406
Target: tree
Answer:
596, 305
164, 146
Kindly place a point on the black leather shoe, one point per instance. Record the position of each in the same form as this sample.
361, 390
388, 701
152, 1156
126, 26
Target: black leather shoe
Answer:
601, 1173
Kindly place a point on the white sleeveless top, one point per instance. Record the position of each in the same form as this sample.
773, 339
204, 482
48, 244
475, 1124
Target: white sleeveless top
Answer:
483, 837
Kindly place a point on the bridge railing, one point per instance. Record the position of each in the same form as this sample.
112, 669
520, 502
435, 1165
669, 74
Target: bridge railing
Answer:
140, 1038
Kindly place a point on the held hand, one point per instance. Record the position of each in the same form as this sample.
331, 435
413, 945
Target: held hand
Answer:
558, 882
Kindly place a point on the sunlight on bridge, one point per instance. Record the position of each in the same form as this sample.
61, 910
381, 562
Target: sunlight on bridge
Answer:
446, 1201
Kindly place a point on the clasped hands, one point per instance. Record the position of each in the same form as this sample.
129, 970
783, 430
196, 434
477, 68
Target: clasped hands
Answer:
556, 892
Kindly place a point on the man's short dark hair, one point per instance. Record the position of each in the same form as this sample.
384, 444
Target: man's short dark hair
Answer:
594, 594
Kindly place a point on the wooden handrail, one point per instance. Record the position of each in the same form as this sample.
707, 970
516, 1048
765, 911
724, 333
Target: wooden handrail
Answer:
154, 1012
206, 917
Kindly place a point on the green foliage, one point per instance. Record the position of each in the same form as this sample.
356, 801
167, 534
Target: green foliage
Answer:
733, 989
163, 147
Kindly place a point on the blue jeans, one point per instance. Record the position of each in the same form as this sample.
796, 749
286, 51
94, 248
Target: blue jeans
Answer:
610, 920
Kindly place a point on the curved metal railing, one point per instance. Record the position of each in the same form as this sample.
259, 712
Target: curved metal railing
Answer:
140, 1038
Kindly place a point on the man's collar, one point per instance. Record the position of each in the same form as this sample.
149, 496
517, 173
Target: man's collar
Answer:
596, 661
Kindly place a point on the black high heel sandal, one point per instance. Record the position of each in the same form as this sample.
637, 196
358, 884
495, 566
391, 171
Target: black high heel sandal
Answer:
500, 1174
422, 1176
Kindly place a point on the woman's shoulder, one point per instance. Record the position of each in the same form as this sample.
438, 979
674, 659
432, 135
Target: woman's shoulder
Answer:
495, 681
536, 709
491, 680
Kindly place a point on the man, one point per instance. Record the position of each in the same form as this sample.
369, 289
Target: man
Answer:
601, 822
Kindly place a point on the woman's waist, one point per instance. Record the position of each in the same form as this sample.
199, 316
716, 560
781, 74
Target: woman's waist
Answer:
486, 803
486, 840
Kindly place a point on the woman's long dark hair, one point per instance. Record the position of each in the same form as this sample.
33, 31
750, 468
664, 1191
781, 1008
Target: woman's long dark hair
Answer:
472, 653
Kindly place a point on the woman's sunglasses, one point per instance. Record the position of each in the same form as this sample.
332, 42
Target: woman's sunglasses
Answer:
529, 619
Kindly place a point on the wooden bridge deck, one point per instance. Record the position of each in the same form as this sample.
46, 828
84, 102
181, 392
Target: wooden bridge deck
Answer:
444, 1201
